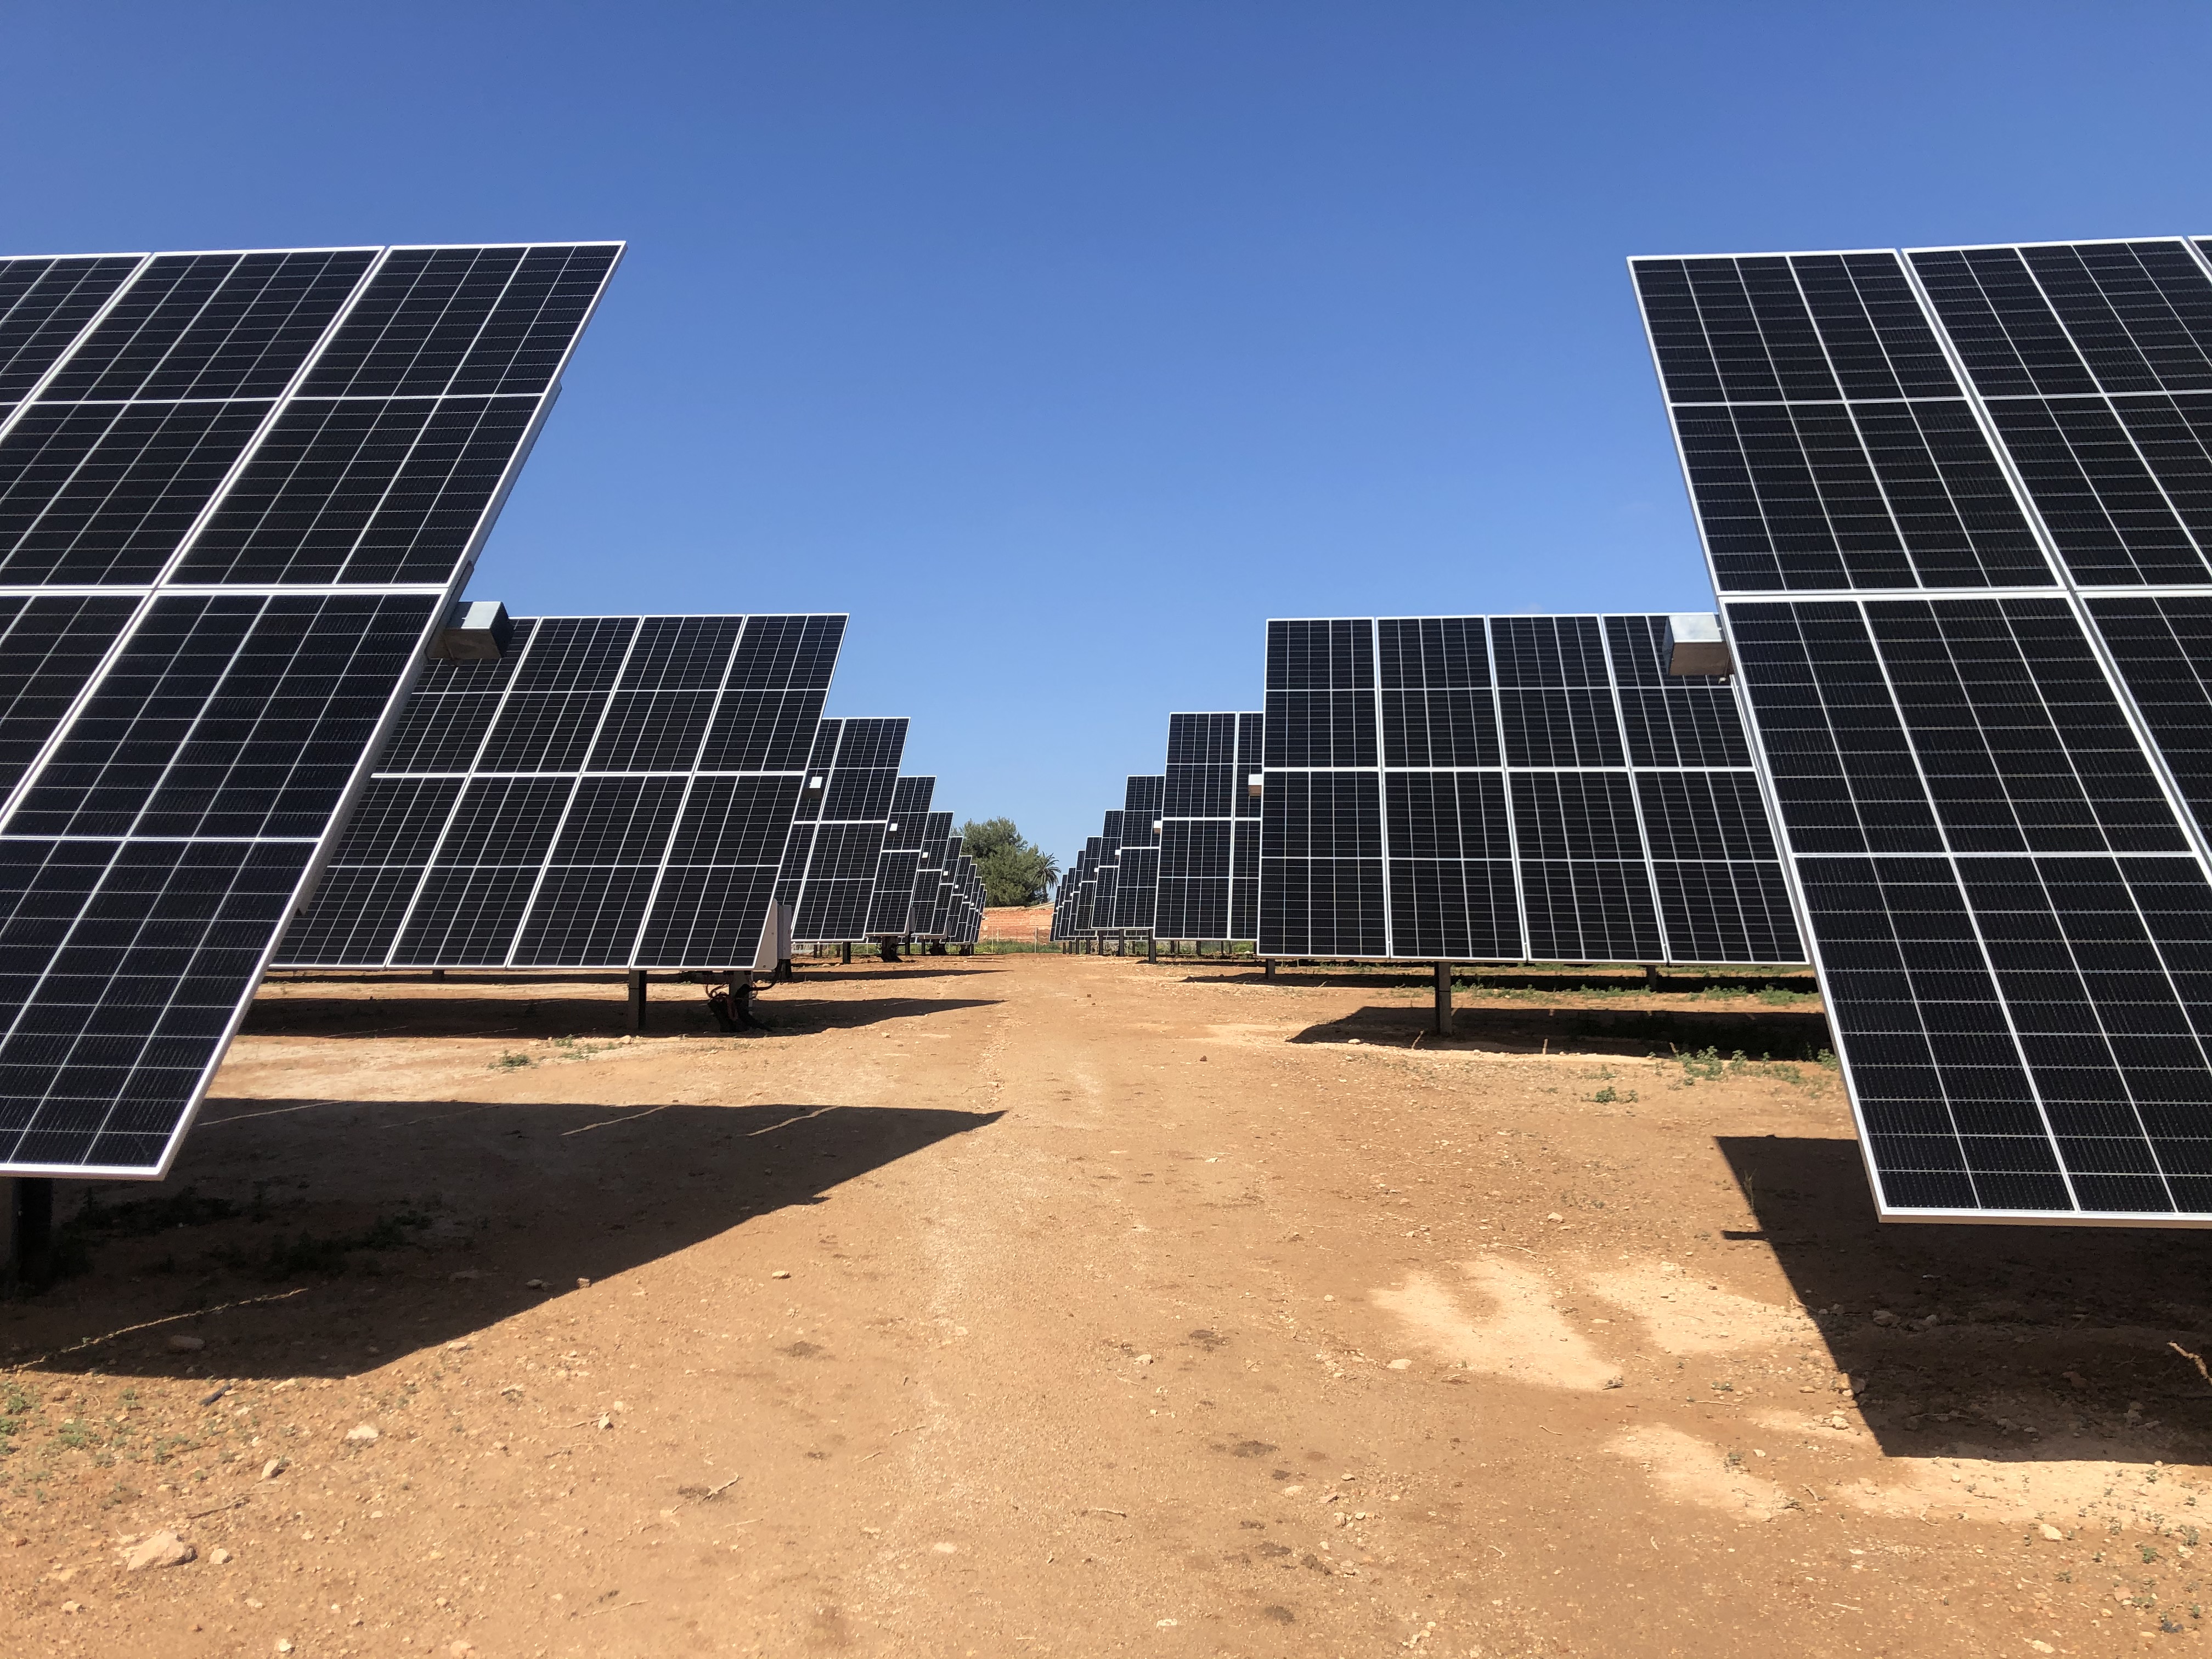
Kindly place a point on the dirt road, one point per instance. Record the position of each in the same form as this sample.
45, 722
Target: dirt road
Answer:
1047, 1304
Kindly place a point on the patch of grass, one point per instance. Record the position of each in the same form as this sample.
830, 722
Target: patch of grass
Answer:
572, 1049
1608, 1095
510, 1061
1705, 1065
1774, 996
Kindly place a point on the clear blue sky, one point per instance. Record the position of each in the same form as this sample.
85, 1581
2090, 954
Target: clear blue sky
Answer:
1062, 344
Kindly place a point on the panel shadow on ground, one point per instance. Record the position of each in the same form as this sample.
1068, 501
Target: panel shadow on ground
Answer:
398, 1225
585, 1006
2018, 1313
1763, 1035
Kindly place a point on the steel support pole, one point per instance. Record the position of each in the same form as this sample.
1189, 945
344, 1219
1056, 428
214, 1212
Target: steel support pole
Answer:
1650, 976
1443, 998
637, 1000
847, 950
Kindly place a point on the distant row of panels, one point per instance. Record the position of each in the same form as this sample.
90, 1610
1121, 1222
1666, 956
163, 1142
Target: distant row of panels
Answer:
1502, 789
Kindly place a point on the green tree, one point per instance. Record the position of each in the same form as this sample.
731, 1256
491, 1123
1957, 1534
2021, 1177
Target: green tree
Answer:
1013, 872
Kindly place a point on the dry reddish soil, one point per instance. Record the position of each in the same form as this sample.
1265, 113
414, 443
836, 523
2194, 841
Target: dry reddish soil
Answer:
1066, 1304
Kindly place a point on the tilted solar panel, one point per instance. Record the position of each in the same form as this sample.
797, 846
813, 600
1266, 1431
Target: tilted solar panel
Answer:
1952, 502
1137, 868
930, 874
614, 792
238, 491
1508, 789
836, 842
1105, 874
947, 903
891, 902
1086, 888
1209, 865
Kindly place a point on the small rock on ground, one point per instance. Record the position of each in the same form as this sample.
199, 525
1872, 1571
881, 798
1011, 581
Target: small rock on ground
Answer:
182, 1344
160, 1549
361, 1434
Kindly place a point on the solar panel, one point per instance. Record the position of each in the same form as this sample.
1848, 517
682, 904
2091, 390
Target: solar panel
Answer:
931, 873
1209, 859
1086, 888
891, 900
946, 903
1952, 502
829, 871
1136, 867
238, 491
1105, 875
1508, 789
965, 925
1070, 920
614, 792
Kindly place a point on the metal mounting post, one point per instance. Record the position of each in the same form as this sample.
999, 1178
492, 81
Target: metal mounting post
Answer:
1443, 998
637, 1000
1271, 967
1650, 976
848, 953
1151, 947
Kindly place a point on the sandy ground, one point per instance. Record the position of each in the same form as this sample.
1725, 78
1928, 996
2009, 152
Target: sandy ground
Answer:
1049, 1304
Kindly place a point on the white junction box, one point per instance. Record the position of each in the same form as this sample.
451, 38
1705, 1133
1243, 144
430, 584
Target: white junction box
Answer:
1696, 646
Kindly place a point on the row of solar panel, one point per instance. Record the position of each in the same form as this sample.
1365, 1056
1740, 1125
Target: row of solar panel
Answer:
630, 792
239, 494
1460, 788
1993, 787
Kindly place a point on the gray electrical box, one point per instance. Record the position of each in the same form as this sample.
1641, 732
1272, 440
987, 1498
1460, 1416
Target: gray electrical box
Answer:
477, 630
1695, 645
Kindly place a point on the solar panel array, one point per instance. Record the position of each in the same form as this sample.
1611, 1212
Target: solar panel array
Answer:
238, 491
1105, 875
613, 792
898, 867
1508, 789
1954, 503
939, 847
1209, 857
837, 844
1137, 864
